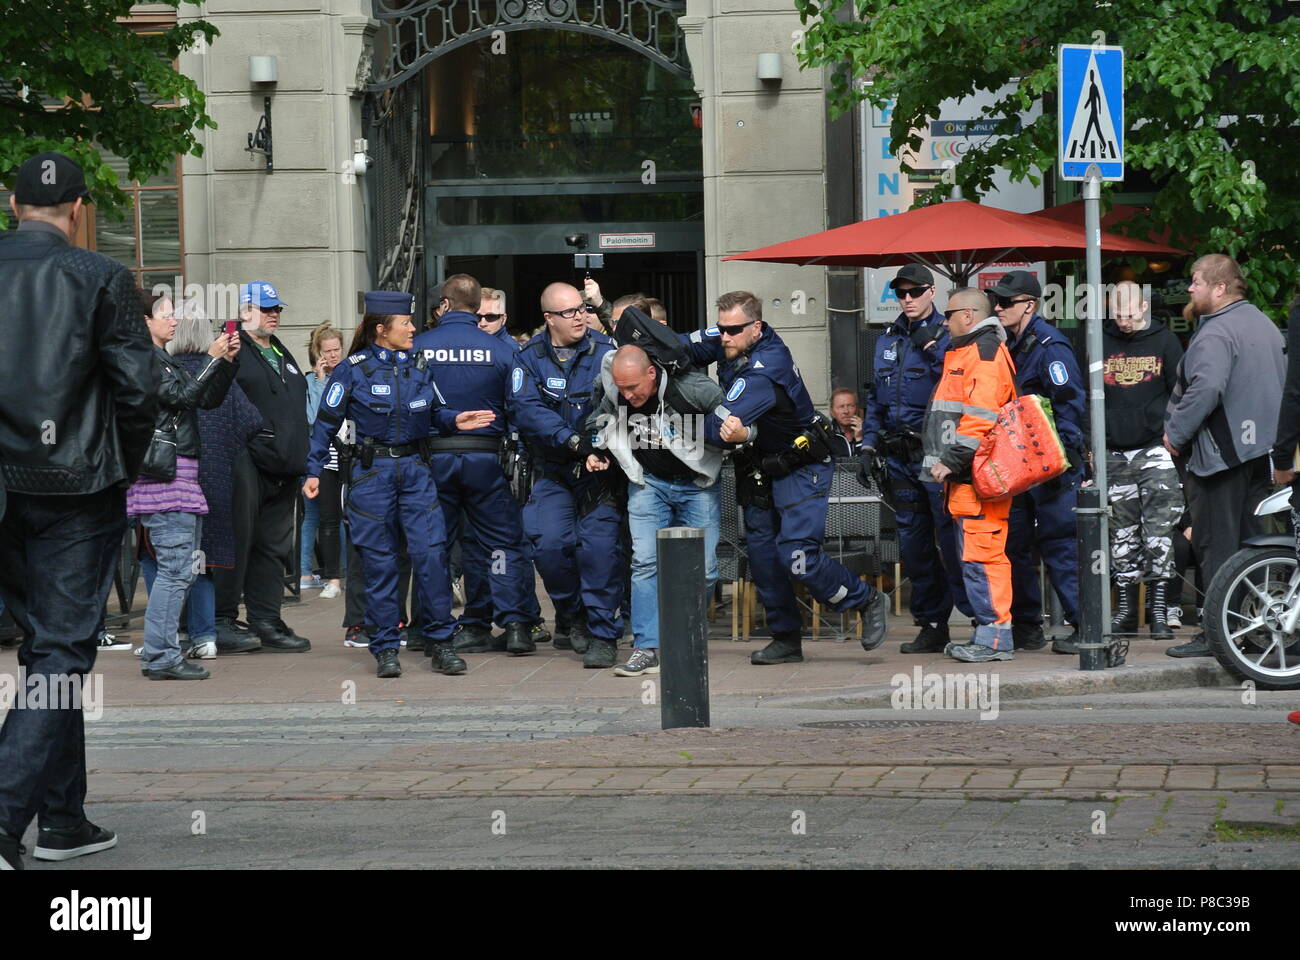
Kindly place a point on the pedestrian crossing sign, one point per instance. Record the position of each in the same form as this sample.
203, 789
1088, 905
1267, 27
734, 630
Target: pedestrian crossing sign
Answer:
1090, 117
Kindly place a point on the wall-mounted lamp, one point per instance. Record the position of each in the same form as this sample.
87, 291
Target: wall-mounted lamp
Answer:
769, 67
262, 70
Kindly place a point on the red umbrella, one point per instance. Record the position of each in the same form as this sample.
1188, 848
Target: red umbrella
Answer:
1072, 213
956, 238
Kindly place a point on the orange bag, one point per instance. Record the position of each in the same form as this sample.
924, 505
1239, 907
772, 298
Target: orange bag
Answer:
1021, 451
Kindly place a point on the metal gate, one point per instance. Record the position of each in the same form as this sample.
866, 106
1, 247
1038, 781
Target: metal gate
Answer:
391, 119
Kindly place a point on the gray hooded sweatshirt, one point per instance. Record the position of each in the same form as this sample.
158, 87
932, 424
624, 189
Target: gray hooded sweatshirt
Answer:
1223, 409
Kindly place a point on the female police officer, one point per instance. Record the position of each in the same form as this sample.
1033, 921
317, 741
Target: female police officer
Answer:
391, 397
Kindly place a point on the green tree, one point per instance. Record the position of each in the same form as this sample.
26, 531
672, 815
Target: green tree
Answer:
74, 79
1212, 97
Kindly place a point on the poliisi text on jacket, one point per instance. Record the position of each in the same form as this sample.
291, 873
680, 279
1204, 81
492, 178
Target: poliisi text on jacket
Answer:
459, 355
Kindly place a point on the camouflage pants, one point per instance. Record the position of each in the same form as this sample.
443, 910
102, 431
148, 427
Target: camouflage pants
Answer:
1145, 505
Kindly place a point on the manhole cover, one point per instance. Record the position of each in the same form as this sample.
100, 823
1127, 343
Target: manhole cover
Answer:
855, 724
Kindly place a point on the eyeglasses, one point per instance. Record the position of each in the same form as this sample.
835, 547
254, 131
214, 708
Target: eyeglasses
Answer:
910, 293
947, 314
570, 313
731, 331
491, 317
1005, 302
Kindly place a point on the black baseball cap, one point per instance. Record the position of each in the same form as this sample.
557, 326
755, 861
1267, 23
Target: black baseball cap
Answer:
49, 179
916, 273
1018, 283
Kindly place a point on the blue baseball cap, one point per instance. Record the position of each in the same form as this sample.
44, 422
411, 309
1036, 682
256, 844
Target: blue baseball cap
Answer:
390, 303
260, 294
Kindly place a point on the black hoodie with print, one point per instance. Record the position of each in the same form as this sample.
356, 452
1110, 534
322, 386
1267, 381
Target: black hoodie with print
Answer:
1140, 371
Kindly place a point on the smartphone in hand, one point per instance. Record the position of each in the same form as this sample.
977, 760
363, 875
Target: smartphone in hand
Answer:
231, 328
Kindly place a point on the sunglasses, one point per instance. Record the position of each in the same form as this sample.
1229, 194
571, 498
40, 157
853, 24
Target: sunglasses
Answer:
270, 309
910, 293
947, 314
491, 317
731, 331
1005, 302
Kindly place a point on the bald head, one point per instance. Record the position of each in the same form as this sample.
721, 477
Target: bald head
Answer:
560, 296
560, 299
1128, 306
634, 375
966, 308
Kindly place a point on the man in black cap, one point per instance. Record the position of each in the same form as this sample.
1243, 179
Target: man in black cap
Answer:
1044, 516
908, 363
77, 408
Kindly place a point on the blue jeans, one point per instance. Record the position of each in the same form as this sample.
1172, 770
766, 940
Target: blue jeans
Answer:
175, 538
650, 508
57, 556
310, 524
200, 606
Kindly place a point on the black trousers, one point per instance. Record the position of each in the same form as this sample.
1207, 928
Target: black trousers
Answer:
1222, 508
57, 556
331, 515
263, 515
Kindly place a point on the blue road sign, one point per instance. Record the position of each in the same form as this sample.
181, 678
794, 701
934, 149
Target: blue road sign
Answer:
1090, 117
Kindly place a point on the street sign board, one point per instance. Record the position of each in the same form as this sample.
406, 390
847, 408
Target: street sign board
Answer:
1090, 113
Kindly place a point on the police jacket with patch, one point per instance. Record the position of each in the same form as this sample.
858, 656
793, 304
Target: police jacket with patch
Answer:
182, 395
471, 367
79, 392
908, 360
1046, 366
280, 394
762, 387
1140, 371
549, 397
978, 378
389, 395
689, 396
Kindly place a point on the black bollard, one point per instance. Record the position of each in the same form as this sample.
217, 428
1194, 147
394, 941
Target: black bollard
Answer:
683, 628
1094, 566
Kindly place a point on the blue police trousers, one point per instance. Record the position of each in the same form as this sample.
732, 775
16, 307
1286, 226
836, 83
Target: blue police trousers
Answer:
397, 497
578, 554
1044, 516
927, 545
786, 542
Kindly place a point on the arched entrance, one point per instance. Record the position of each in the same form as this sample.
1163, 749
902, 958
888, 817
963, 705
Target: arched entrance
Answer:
518, 134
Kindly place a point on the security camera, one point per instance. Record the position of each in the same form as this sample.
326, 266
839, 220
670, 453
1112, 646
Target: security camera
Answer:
578, 240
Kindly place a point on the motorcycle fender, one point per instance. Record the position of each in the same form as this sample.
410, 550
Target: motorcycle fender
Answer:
1270, 540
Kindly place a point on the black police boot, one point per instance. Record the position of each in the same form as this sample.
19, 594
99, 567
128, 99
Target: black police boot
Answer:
563, 630
932, 639
1157, 590
519, 640
446, 661
875, 619
539, 633
232, 639
580, 636
784, 648
1028, 636
476, 638
1198, 646
601, 654
388, 666
1125, 619
414, 640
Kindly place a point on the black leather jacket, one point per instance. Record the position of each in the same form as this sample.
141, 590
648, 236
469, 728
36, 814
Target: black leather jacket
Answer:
185, 394
78, 377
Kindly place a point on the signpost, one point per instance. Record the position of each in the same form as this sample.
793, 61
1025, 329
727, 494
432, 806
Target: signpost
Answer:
1090, 147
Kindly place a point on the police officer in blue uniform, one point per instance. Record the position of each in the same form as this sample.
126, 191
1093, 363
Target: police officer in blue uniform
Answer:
783, 476
474, 367
573, 516
908, 363
1045, 365
389, 394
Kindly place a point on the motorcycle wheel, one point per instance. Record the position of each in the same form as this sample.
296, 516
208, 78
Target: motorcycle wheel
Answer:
1245, 607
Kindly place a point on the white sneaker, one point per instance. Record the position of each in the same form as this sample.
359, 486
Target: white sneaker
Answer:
330, 591
207, 650
1174, 617
138, 651
108, 641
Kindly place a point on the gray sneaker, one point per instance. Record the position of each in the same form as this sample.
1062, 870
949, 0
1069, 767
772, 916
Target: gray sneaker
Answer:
977, 653
642, 661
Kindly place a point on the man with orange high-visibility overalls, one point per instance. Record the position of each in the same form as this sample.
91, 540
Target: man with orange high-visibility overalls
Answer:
978, 378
